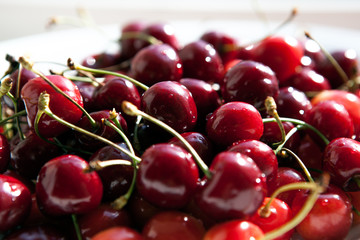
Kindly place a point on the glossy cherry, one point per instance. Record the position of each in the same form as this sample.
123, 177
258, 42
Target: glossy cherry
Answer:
341, 160
307, 80
57, 193
250, 82
171, 103
101, 60
118, 233
167, 176
234, 121
15, 202
173, 225
222, 197
201, 61
281, 53
4, 153
59, 105
235, 229
129, 46
87, 90
164, 32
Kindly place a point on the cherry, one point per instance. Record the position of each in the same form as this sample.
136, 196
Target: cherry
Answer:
330, 217
155, 63
30, 154
49, 127
15, 202
221, 197
201, 61
36, 232
58, 195
341, 160
173, 225
235, 229
101, 60
118, 233
171, 103
331, 119
293, 103
313, 51
87, 90
250, 82
129, 46
234, 121
279, 213
164, 32
310, 153
114, 92
281, 53
4, 153
307, 80
262, 154
167, 176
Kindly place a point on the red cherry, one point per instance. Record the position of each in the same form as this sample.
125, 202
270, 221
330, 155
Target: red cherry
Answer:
101, 60
171, 103
167, 176
279, 213
233, 230
129, 46
222, 197
64, 188
164, 32
59, 105
342, 160
4, 153
281, 53
250, 82
118, 233
173, 225
234, 121
307, 80
156, 63
36, 232
87, 90
15, 202
201, 61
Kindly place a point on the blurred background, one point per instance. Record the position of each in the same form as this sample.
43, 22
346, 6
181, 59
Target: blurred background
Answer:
20, 18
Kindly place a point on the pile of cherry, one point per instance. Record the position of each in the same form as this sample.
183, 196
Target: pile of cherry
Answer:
271, 132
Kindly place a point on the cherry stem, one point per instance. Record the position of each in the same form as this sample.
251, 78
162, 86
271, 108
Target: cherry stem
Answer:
74, 66
132, 110
140, 35
29, 66
44, 100
302, 123
15, 115
287, 137
316, 189
302, 165
76, 226
136, 140
97, 165
292, 15
270, 106
121, 133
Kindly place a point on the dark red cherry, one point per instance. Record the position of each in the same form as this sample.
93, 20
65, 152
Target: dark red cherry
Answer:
63, 187
167, 176
222, 197
310, 153
234, 121
118, 233
102, 130
348, 61
330, 217
235, 229
15, 202
313, 51
205, 96
307, 80
164, 32
87, 90
114, 92
199, 142
331, 119
59, 105
201, 61
129, 46
171, 103
37, 233
156, 63
101, 218
116, 179
4, 153
293, 103
281, 53
101, 60
250, 82
173, 225
341, 160
262, 154
30, 154
279, 213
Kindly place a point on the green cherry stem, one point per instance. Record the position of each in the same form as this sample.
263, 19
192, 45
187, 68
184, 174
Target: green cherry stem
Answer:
316, 189
74, 66
287, 137
270, 106
29, 66
140, 35
15, 115
43, 105
76, 226
121, 133
302, 123
132, 110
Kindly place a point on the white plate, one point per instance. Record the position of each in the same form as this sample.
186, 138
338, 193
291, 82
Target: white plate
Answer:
77, 43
